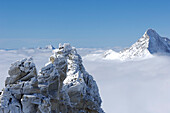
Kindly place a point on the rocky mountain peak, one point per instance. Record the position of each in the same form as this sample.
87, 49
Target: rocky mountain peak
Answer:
151, 33
63, 86
150, 43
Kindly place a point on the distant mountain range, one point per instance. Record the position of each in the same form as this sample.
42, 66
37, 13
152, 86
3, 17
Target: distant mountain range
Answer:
149, 45
50, 47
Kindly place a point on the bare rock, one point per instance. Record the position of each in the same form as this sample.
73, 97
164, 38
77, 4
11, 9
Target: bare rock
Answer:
21, 71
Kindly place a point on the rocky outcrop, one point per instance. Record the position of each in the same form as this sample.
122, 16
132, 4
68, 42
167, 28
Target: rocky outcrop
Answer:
62, 86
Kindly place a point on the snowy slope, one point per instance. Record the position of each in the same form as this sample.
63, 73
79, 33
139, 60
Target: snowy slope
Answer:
110, 54
103, 54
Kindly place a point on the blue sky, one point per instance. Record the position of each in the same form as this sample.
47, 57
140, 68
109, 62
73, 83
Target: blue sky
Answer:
83, 23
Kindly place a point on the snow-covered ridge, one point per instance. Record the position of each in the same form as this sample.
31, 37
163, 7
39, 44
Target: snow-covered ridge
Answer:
149, 44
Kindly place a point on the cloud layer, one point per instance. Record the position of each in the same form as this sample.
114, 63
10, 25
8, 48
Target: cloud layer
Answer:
133, 86
125, 87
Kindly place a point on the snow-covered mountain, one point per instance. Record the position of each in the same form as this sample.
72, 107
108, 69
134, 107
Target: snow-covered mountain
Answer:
111, 54
150, 43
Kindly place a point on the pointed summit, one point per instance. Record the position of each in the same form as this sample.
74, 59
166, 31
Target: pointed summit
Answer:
151, 33
150, 43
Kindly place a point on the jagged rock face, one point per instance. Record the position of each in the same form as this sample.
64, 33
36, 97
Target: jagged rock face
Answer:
63, 86
150, 43
157, 44
21, 70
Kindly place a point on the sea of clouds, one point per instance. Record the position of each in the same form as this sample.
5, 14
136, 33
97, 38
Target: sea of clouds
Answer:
141, 86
